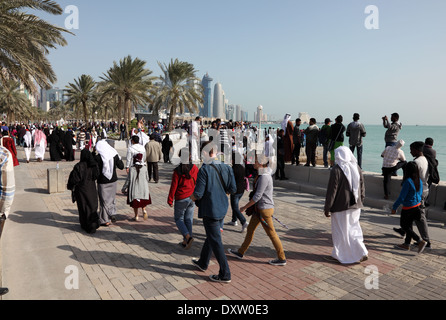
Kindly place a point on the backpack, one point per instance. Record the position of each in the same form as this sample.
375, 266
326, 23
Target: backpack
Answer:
434, 176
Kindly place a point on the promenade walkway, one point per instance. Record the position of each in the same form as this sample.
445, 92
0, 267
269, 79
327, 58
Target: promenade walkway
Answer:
44, 250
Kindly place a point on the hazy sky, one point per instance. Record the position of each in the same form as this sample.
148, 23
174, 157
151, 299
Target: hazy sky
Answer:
289, 56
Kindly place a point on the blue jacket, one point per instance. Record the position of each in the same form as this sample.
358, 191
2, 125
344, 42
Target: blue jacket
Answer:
214, 200
409, 196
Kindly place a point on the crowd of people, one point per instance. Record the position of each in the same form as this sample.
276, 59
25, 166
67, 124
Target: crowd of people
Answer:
203, 180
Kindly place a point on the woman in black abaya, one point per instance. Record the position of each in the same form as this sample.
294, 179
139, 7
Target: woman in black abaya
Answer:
68, 143
82, 183
55, 145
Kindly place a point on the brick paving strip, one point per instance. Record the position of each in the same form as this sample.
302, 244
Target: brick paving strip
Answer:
143, 260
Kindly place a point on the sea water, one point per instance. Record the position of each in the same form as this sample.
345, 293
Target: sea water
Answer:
374, 144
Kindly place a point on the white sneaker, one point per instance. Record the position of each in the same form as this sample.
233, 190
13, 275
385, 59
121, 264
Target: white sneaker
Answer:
232, 223
244, 227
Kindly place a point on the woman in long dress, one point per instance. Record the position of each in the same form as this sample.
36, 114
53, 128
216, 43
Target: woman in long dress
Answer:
82, 183
108, 160
56, 152
138, 179
343, 203
68, 144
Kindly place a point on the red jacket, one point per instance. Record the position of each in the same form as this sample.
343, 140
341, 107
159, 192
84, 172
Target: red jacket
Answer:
181, 187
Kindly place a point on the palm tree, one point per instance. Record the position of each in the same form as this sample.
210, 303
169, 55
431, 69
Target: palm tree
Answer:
178, 90
13, 101
106, 102
25, 40
130, 82
81, 93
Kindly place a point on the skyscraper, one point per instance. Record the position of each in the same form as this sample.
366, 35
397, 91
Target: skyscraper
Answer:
219, 103
207, 111
238, 113
259, 117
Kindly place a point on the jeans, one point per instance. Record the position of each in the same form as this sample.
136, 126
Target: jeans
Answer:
359, 154
406, 221
422, 222
325, 155
280, 171
296, 154
184, 216
152, 167
236, 214
310, 150
213, 244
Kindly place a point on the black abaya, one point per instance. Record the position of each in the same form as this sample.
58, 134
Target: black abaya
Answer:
68, 143
56, 153
82, 182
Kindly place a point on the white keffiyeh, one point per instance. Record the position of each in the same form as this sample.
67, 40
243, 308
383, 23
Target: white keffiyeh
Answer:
285, 121
349, 165
107, 153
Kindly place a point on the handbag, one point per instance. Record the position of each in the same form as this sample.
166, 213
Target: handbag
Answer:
332, 142
252, 209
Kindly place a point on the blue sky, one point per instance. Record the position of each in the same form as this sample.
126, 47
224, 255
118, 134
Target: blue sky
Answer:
289, 56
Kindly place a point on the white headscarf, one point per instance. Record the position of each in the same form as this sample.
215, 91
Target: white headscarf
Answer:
143, 138
107, 153
285, 121
269, 146
347, 162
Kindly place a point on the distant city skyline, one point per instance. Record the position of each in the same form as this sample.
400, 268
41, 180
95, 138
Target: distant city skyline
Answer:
289, 56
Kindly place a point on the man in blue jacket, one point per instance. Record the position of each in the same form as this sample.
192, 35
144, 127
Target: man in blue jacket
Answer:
214, 182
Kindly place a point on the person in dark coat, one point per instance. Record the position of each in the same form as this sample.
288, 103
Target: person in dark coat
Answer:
68, 143
56, 148
82, 183
166, 145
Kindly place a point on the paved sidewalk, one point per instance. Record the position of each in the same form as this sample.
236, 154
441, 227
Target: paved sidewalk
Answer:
143, 260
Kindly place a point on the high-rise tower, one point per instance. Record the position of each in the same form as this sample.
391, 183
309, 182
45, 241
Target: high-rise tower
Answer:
207, 103
219, 103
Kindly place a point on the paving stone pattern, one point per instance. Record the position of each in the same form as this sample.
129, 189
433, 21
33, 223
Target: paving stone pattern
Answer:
143, 260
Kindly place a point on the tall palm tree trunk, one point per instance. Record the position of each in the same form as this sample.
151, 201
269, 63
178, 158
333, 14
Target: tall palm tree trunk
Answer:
84, 109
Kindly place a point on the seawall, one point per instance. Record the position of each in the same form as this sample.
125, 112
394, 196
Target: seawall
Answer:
314, 180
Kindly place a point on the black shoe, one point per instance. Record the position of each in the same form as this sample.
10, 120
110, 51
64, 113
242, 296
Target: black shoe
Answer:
217, 278
399, 231
195, 263
3, 291
235, 254
277, 262
285, 178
